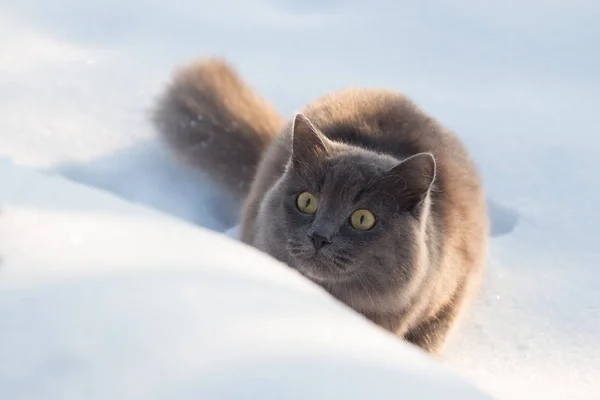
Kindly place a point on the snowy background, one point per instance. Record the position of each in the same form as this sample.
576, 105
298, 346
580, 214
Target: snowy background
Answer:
518, 81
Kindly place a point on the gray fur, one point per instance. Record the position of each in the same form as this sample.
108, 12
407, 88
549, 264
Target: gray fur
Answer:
416, 269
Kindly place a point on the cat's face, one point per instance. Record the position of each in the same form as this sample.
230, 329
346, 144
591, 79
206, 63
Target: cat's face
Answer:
349, 219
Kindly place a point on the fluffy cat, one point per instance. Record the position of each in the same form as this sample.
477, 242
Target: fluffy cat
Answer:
361, 192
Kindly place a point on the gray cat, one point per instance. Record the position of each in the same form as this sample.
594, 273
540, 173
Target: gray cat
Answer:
361, 192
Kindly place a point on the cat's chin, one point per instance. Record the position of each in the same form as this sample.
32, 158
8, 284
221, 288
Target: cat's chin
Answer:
323, 275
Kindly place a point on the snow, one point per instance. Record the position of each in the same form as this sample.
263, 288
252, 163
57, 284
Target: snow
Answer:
102, 299
519, 81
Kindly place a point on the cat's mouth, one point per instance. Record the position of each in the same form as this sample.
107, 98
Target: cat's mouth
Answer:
325, 266
322, 272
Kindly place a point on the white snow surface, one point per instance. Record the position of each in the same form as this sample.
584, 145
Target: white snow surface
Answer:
103, 299
91, 287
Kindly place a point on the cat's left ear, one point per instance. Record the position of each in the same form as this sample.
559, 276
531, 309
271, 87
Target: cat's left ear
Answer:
307, 142
411, 180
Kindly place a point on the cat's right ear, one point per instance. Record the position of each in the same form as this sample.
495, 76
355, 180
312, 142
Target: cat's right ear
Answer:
411, 180
307, 142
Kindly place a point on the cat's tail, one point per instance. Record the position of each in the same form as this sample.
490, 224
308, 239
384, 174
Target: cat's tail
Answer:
210, 118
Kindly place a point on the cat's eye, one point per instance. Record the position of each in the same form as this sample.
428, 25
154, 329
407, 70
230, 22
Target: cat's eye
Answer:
362, 220
307, 203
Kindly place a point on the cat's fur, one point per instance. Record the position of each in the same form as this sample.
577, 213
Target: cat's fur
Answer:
416, 269
215, 122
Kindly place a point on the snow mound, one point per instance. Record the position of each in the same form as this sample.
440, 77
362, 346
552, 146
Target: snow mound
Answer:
103, 299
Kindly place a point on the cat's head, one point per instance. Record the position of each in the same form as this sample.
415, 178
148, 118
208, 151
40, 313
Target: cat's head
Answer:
348, 218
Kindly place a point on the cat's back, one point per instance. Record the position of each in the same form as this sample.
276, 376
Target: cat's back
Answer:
384, 121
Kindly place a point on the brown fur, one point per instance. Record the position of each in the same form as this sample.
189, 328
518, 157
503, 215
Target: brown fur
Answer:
209, 117
424, 266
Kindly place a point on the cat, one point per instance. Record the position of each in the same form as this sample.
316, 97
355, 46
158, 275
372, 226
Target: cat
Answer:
361, 192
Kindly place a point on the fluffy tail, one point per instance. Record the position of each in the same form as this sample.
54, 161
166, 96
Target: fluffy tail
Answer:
211, 119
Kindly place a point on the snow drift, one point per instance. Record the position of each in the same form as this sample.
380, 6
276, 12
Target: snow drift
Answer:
101, 299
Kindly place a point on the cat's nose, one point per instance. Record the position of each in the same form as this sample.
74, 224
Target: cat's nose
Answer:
319, 240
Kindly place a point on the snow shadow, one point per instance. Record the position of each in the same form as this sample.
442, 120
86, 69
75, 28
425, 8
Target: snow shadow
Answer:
147, 174
503, 219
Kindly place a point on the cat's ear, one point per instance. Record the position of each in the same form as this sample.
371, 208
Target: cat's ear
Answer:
411, 180
307, 142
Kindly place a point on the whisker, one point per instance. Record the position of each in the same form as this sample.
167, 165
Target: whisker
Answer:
343, 259
339, 264
377, 292
342, 288
366, 290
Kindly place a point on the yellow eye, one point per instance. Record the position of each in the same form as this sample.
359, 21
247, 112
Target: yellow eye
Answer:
307, 203
362, 220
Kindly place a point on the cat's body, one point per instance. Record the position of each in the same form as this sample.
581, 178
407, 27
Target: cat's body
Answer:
356, 155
